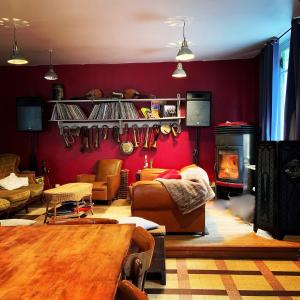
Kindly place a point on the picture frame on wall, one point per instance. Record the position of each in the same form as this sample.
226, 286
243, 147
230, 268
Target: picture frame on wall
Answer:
169, 110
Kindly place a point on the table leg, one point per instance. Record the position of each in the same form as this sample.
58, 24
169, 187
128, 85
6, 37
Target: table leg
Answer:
46, 214
91, 204
54, 212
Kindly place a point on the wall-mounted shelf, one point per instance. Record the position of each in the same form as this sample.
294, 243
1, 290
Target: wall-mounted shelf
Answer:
116, 100
77, 121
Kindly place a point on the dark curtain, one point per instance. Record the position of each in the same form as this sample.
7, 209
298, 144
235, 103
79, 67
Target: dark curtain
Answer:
268, 88
292, 100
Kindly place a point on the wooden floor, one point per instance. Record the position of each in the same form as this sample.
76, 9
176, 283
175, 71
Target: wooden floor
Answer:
228, 236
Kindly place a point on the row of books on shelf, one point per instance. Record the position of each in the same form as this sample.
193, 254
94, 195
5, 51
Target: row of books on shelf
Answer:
63, 111
114, 110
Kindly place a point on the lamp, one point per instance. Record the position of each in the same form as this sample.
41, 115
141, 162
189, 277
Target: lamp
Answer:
184, 52
16, 58
179, 72
50, 75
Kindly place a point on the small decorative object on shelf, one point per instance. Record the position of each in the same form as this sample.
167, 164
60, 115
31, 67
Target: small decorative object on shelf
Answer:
58, 91
169, 111
155, 109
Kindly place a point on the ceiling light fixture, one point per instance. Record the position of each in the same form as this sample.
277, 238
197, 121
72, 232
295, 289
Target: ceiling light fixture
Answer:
51, 75
179, 72
16, 57
184, 52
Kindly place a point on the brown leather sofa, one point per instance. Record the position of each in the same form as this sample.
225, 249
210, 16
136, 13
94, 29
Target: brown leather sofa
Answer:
18, 198
150, 200
106, 181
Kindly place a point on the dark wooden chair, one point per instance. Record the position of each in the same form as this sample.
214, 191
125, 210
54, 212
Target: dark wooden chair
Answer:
83, 221
138, 262
128, 291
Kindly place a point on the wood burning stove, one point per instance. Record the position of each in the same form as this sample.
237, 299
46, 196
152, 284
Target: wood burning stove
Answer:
235, 148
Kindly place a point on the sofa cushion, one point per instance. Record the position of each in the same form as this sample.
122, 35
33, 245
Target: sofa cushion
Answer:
21, 194
170, 174
154, 195
4, 204
13, 182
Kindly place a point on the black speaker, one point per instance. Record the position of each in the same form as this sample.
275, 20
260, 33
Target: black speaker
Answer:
198, 108
29, 114
277, 208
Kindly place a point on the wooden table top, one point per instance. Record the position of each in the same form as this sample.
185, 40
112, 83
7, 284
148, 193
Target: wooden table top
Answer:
62, 262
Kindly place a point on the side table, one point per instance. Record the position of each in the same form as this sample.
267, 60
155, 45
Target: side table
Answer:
158, 265
67, 192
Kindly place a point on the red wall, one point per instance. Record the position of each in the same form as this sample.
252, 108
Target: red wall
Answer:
234, 86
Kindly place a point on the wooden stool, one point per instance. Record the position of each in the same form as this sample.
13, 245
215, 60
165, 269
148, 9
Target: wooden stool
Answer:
158, 265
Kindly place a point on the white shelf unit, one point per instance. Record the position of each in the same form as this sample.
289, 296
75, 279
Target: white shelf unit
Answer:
110, 123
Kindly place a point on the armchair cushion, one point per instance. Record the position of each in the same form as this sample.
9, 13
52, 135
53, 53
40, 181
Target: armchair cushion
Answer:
99, 185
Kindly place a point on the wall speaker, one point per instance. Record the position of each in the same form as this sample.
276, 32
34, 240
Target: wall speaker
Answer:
198, 108
29, 114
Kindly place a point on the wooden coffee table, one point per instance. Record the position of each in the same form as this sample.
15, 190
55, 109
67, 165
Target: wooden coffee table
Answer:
68, 192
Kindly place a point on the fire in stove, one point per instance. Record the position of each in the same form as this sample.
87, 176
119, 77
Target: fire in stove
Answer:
228, 168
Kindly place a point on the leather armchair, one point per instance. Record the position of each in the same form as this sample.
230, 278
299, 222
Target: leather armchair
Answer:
150, 200
106, 181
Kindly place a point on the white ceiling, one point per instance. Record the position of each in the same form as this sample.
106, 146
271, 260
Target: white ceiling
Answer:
119, 31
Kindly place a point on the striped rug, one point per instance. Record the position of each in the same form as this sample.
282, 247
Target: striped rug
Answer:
193, 279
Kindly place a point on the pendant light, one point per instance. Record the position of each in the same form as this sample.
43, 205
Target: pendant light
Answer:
51, 75
184, 52
16, 58
179, 72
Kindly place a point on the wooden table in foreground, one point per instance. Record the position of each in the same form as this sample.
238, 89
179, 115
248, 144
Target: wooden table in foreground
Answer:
62, 262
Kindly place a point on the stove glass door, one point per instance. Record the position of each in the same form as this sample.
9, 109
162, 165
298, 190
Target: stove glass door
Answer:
228, 164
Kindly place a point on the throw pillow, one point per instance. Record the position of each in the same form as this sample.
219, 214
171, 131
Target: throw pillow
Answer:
146, 224
194, 174
188, 167
12, 182
16, 222
170, 174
